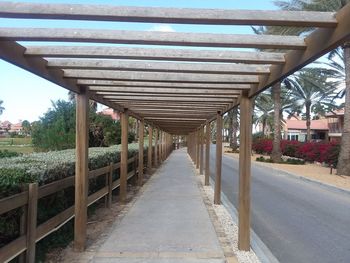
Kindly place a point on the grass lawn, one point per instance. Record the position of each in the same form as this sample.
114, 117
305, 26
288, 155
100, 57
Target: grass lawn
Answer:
15, 141
16, 148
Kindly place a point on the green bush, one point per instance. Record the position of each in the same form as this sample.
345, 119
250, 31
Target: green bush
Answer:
17, 172
8, 154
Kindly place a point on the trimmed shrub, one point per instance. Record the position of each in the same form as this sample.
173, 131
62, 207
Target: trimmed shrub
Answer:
8, 154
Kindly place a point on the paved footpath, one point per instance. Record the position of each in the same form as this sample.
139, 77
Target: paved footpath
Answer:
168, 223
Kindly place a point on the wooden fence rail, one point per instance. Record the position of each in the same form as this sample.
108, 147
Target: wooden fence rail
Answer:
29, 201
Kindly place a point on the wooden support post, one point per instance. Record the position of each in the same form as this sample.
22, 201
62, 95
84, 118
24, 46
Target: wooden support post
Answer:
197, 149
244, 173
156, 148
150, 145
141, 143
201, 154
110, 185
81, 169
217, 191
124, 156
207, 153
32, 221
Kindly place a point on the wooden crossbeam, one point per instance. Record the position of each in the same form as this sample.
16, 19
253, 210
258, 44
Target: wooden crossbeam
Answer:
166, 15
103, 89
164, 54
167, 99
180, 67
161, 77
152, 38
161, 95
149, 84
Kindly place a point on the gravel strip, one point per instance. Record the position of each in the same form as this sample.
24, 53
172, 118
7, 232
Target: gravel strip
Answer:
230, 228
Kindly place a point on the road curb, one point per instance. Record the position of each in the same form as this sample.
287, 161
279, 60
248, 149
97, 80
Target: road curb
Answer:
325, 185
261, 250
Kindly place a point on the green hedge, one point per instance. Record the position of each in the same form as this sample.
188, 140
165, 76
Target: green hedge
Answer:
17, 172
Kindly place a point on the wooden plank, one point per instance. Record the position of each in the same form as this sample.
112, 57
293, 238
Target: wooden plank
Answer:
32, 221
97, 195
13, 249
151, 38
160, 77
197, 149
149, 84
179, 67
81, 169
123, 94
244, 173
12, 202
99, 171
149, 98
110, 186
167, 15
54, 187
137, 53
207, 153
141, 149
218, 163
124, 156
231, 91
54, 223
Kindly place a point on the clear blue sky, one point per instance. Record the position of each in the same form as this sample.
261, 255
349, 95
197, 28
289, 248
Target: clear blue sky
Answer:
27, 97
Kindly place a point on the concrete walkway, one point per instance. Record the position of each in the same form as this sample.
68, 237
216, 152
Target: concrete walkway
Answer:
168, 222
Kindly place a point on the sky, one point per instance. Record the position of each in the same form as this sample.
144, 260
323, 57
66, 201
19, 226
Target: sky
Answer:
27, 97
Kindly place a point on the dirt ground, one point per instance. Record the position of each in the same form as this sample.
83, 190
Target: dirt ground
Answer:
98, 227
311, 171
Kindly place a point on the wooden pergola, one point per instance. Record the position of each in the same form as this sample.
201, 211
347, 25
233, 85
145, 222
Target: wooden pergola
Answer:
176, 91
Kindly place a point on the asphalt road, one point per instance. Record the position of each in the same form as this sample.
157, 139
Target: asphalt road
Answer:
298, 221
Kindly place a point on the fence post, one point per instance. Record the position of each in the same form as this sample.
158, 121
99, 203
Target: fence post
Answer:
32, 221
110, 185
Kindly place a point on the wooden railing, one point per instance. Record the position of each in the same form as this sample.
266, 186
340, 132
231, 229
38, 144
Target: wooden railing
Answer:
30, 233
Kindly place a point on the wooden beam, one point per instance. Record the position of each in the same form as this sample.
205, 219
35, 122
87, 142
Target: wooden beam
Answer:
124, 156
101, 89
160, 77
167, 15
207, 153
122, 94
156, 141
197, 149
81, 169
166, 99
244, 173
151, 38
163, 54
179, 67
149, 84
218, 163
201, 155
150, 145
141, 149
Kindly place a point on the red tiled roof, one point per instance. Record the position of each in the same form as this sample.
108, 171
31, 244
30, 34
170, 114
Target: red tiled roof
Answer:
301, 125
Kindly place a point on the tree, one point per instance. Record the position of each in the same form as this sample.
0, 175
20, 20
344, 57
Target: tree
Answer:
264, 112
26, 127
343, 166
312, 90
2, 108
231, 121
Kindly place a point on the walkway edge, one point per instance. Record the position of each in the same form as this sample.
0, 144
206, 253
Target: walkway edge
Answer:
261, 250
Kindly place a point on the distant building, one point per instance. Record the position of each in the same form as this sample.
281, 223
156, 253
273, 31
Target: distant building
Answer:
111, 112
16, 128
295, 129
335, 124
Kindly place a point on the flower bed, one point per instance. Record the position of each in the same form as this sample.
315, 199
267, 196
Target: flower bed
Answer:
323, 152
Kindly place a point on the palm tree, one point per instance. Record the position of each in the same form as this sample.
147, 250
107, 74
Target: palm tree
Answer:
2, 108
312, 89
326, 5
264, 112
231, 122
